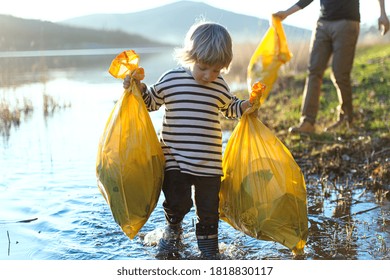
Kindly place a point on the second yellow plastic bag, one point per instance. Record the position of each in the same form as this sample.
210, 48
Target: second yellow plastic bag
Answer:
130, 161
263, 192
270, 55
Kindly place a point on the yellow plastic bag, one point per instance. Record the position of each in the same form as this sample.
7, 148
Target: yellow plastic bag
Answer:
130, 161
270, 55
263, 192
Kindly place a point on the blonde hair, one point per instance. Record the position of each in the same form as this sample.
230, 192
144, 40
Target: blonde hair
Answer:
208, 43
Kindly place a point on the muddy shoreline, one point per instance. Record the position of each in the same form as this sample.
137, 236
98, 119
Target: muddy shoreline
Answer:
348, 191
359, 158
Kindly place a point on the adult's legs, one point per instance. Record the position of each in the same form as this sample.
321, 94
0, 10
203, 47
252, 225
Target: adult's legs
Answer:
345, 34
320, 52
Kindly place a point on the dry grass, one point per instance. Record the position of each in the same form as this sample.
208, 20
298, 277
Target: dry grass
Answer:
299, 61
13, 111
243, 53
51, 105
10, 115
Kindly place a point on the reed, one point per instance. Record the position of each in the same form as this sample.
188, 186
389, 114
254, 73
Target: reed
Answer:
11, 114
52, 105
13, 110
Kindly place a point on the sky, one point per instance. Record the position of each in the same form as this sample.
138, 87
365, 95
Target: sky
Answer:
60, 10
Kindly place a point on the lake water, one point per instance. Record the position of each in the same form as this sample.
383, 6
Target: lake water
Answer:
47, 177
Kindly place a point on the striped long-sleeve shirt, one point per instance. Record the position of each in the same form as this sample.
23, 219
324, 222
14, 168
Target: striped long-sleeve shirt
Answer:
191, 135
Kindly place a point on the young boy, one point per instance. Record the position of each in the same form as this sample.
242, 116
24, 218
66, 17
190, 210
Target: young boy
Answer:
194, 94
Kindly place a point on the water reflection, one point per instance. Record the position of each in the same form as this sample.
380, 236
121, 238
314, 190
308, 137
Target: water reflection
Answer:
339, 221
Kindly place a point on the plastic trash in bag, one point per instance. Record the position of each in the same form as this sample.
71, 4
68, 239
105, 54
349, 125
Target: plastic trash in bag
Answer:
130, 161
263, 192
270, 55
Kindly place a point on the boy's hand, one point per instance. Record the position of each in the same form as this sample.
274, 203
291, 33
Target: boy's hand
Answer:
247, 108
126, 82
254, 114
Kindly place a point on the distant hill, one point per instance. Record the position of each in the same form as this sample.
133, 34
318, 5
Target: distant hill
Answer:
151, 28
170, 23
18, 34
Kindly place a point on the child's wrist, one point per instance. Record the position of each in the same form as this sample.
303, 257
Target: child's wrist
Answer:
143, 88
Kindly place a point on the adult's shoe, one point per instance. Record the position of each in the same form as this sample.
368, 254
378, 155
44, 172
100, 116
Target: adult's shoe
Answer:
303, 127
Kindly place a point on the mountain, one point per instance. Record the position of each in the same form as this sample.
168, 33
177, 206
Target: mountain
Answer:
18, 34
169, 23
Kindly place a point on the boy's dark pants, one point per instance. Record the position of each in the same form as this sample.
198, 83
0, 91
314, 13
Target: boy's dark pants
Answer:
178, 200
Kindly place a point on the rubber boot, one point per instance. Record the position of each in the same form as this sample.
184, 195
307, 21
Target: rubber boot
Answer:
207, 237
208, 246
170, 244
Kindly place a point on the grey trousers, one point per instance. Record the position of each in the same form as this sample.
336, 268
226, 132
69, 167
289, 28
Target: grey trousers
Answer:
337, 38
